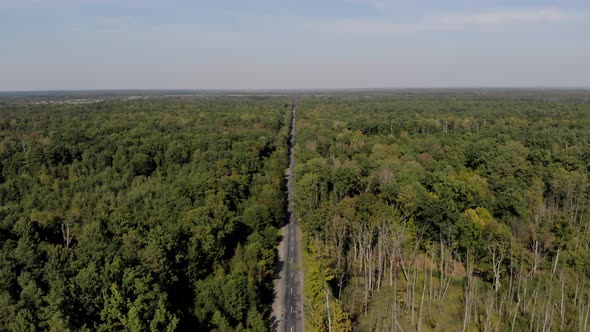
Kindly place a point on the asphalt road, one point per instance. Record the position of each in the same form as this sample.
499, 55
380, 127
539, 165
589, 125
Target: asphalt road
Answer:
288, 305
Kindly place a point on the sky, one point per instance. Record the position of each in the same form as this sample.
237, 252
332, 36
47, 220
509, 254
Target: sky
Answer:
292, 44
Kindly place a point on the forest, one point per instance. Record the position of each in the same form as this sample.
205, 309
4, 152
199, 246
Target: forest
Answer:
150, 215
444, 213
427, 211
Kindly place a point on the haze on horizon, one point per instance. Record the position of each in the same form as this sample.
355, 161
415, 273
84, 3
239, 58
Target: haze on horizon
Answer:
292, 44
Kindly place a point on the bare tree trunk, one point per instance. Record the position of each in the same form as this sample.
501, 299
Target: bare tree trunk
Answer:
391, 268
498, 252
367, 285
340, 283
536, 256
430, 281
546, 319
556, 260
449, 278
413, 296
396, 306
561, 311
539, 214
328, 311
419, 328
586, 318
67, 236
496, 327
380, 255
520, 277
534, 299
401, 261
441, 265
514, 315
468, 295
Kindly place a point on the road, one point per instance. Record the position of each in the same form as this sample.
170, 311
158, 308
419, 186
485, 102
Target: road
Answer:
288, 304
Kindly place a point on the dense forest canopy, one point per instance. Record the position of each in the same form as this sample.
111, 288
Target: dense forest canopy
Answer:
424, 211
141, 215
444, 214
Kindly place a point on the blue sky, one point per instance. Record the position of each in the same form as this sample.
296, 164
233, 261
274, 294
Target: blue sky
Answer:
262, 44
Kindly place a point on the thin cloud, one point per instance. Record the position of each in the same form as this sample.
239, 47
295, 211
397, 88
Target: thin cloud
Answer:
501, 18
447, 22
172, 35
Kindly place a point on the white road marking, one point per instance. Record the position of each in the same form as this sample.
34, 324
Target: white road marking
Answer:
291, 290
291, 309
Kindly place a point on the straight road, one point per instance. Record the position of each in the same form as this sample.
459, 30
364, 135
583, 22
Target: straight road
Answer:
288, 304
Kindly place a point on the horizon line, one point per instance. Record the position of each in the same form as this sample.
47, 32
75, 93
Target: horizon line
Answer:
498, 87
